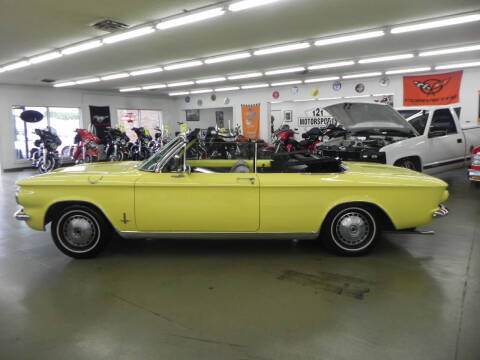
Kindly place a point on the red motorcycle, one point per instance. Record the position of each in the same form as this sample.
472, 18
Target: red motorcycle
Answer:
86, 149
284, 141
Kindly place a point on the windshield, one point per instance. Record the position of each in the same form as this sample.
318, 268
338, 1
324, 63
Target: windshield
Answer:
150, 163
418, 119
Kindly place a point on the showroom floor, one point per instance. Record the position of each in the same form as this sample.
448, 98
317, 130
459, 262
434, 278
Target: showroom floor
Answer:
414, 297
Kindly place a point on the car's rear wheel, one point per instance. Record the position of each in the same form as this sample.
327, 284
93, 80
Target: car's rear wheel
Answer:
80, 231
351, 230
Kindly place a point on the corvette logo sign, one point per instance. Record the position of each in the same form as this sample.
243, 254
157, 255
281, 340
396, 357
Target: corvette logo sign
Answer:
438, 89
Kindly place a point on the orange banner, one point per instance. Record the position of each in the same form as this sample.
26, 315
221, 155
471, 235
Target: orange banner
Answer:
437, 89
251, 121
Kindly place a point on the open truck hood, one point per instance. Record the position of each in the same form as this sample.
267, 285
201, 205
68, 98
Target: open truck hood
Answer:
366, 116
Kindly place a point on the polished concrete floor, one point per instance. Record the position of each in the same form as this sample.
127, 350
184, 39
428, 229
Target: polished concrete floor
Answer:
414, 297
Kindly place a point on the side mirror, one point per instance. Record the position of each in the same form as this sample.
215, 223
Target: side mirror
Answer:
436, 133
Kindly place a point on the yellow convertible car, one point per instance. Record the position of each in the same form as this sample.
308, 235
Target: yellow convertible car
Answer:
292, 196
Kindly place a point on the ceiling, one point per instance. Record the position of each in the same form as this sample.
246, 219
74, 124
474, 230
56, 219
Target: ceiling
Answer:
30, 28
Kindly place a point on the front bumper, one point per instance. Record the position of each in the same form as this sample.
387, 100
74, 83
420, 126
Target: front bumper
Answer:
474, 175
441, 212
21, 215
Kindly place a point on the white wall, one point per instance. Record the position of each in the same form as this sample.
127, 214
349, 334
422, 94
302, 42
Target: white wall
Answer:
208, 117
40, 96
468, 98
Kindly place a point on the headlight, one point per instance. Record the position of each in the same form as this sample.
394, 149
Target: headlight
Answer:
476, 159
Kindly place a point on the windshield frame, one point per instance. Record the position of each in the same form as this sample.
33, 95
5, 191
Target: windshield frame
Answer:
161, 156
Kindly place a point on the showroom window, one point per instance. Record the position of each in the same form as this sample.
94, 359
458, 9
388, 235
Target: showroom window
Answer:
63, 120
149, 119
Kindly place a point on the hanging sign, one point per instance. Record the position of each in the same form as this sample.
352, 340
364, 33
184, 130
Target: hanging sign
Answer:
251, 121
316, 117
437, 89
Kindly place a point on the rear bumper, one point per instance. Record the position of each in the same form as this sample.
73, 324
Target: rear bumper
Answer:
474, 175
441, 212
21, 215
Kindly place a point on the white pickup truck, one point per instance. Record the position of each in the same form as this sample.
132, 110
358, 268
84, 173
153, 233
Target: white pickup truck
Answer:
428, 140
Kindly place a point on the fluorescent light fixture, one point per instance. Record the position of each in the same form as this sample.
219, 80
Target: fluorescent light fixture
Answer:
348, 38
329, 98
17, 65
254, 86
211, 80
245, 76
87, 81
323, 79
154, 87
282, 48
451, 50
191, 18
1, 70
232, 57
232, 88
248, 4
68, 83
183, 65
82, 47
304, 100
202, 91
179, 93
455, 66
276, 102
386, 58
46, 57
182, 83
332, 65
128, 35
115, 76
356, 96
362, 75
462, 19
131, 89
146, 71
407, 71
390, 94
285, 71
284, 83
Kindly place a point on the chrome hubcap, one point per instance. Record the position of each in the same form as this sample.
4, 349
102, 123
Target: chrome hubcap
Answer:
79, 231
353, 228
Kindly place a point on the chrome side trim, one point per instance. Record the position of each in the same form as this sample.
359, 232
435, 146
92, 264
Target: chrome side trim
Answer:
21, 215
218, 235
442, 211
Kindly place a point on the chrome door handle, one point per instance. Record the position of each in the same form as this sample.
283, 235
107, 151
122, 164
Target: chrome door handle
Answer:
178, 176
252, 180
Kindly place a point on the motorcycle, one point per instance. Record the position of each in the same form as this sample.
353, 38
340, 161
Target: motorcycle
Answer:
284, 141
159, 141
117, 144
311, 139
46, 158
86, 147
140, 150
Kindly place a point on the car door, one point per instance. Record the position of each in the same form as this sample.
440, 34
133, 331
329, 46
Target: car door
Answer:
445, 148
197, 202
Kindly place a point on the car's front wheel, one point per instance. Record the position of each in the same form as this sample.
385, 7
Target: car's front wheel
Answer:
351, 230
80, 231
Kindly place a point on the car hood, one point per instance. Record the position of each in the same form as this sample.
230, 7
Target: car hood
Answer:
106, 173
365, 116
102, 168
